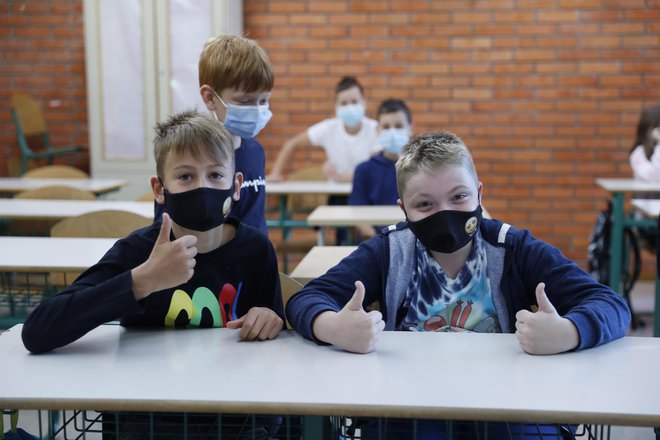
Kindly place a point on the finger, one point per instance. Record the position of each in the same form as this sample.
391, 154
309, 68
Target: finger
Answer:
375, 316
523, 315
275, 330
236, 323
542, 299
188, 242
266, 329
255, 328
165, 228
355, 303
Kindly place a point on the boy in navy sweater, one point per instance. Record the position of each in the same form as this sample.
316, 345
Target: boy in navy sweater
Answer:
448, 269
198, 267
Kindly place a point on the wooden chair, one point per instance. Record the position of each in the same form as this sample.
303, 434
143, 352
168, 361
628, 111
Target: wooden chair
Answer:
30, 124
289, 286
56, 172
42, 227
301, 204
99, 224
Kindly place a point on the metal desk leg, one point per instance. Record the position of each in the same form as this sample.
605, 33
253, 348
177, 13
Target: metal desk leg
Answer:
616, 242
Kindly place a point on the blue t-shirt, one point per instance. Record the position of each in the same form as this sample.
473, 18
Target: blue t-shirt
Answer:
251, 161
374, 183
251, 208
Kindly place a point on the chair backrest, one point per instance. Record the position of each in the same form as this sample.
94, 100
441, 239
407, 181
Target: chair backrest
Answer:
56, 172
289, 286
28, 115
42, 227
306, 202
102, 224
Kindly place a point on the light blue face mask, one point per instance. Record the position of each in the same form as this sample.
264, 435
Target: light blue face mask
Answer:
245, 121
393, 139
350, 114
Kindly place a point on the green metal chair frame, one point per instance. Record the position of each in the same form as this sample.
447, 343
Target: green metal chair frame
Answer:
29, 122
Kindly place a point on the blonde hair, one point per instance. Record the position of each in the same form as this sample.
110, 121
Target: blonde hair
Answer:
230, 61
429, 152
192, 132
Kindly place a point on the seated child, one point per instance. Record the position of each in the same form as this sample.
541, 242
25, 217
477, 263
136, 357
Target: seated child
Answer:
374, 181
198, 267
645, 154
447, 258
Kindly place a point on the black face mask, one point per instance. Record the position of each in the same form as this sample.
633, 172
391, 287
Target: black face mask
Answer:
447, 231
199, 209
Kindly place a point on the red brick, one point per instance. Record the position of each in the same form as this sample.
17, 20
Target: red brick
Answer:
471, 43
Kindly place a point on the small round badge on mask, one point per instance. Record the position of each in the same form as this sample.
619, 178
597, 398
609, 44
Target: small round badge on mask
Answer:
226, 206
471, 225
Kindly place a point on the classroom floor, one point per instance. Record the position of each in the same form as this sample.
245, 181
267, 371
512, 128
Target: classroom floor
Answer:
642, 299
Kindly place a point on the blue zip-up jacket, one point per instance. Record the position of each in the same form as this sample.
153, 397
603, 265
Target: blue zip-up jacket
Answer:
517, 263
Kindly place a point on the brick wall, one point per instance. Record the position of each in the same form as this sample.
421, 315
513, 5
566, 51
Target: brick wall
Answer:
42, 53
546, 93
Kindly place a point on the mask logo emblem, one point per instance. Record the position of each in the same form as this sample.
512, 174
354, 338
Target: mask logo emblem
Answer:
471, 225
226, 206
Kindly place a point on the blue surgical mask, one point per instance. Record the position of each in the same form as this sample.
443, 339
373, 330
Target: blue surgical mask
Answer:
393, 139
350, 114
245, 121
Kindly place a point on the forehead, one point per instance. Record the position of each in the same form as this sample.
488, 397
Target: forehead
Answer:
439, 182
199, 158
398, 117
236, 93
349, 94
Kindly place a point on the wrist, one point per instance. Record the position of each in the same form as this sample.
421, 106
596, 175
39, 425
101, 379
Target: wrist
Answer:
571, 335
141, 284
323, 326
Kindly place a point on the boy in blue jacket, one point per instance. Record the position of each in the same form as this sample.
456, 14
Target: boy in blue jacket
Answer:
448, 269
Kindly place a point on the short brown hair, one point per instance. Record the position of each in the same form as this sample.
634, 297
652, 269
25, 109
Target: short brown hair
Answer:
190, 131
429, 152
230, 61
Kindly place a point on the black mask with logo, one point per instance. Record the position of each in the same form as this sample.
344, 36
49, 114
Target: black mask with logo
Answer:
199, 209
447, 231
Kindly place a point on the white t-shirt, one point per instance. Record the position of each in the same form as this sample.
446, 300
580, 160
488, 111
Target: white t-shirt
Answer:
643, 167
344, 150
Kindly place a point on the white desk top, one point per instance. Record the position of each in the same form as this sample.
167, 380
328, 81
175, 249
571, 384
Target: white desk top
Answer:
648, 207
485, 377
355, 215
308, 187
628, 185
318, 260
97, 186
45, 254
59, 209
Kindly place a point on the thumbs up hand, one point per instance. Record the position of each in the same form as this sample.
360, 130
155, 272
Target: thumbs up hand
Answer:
545, 331
170, 264
352, 328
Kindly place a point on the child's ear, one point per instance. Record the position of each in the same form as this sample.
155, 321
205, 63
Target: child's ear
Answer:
480, 189
207, 95
158, 190
399, 203
238, 183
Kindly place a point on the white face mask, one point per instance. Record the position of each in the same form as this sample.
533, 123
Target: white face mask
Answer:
350, 114
245, 121
393, 139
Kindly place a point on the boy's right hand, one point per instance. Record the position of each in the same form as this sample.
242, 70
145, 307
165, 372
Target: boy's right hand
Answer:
170, 264
351, 329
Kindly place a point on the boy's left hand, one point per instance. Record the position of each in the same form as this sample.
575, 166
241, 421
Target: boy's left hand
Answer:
258, 323
545, 331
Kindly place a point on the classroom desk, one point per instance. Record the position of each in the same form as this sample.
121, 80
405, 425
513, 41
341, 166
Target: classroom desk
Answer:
619, 188
209, 370
11, 185
318, 260
284, 189
48, 209
51, 254
354, 216
651, 208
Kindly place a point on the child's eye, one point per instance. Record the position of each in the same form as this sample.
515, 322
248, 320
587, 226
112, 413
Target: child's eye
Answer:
185, 176
422, 205
217, 176
263, 101
459, 197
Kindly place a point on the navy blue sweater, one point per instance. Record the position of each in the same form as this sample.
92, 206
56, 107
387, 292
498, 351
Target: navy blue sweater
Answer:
515, 257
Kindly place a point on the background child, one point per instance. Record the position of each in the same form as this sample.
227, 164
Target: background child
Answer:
447, 269
374, 182
199, 267
645, 154
235, 79
348, 139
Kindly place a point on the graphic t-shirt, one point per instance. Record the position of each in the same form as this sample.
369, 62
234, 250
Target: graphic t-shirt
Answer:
435, 302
